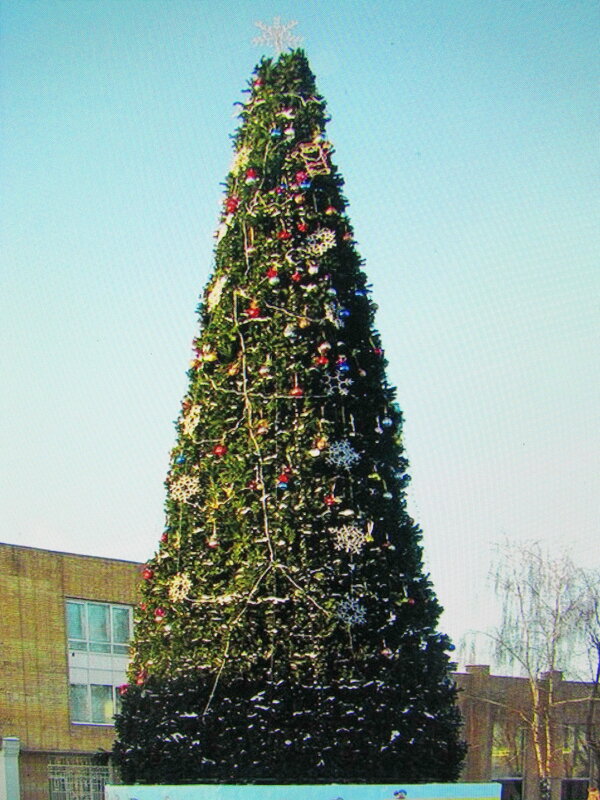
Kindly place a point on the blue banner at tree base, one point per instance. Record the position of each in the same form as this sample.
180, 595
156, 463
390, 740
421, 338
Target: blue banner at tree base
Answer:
334, 791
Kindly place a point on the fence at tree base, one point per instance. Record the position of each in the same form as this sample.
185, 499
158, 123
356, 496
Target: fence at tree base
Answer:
334, 791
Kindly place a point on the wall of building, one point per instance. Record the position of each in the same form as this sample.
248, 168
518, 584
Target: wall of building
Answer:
34, 685
495, 709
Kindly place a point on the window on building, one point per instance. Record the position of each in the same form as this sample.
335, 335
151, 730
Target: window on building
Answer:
98, 637
575, 755
97, 703
512, 788
98, 627
71, 777
574, 789
508, 748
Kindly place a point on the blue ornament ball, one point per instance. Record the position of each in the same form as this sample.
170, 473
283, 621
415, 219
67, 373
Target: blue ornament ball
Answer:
275, 133
343, 367
344, 313
180, 460
282, 485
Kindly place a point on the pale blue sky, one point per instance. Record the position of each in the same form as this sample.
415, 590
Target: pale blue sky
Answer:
467, 134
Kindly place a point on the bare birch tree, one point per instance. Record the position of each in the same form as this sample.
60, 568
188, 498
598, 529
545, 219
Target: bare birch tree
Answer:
591, 623
550, 620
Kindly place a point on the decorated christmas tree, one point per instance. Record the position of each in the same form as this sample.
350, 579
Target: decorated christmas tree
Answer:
287, 631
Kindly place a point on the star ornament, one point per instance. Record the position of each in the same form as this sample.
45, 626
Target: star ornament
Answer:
278, 35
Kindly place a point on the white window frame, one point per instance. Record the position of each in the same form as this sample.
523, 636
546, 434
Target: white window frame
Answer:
93, 663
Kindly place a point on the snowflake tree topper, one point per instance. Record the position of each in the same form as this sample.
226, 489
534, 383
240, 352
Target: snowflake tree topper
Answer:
279, 36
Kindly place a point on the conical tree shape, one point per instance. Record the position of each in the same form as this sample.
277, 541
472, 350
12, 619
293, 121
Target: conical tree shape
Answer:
287, 632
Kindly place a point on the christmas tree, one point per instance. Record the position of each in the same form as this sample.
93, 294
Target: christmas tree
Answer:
287, 631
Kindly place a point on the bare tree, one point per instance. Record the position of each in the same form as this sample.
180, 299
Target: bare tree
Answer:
591, 623
550, 620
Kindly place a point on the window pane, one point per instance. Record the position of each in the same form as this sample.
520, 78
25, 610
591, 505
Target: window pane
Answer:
120, 623
75, 628
117, 700
100, 647
102, 703
121, 648
507, 749
575, 756
78, 697
511, 790
98, 623
573, 789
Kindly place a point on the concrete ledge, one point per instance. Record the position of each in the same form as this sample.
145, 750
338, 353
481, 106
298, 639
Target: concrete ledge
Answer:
334, 791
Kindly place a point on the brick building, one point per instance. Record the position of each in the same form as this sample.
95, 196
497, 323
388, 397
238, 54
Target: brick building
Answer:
67, 620
63, 654
495, 711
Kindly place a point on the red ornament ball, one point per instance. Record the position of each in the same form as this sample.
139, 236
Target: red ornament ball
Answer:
284, 235
147, 574
297, 391
296, 276
251, 175
122, 689
219, 450
253, 311
272, 272
330, 500
321, 361
159, 615
302, 227
231, 204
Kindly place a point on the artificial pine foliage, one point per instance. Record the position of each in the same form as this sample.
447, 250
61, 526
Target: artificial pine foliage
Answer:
287, 632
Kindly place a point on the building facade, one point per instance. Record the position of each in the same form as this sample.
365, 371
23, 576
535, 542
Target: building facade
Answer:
497, 716
63, 655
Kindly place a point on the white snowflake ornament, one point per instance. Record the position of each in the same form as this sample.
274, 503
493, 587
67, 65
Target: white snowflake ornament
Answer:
179, 587
349, 538
342, 454
337, 384
351, 612
319, 242
184, 487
